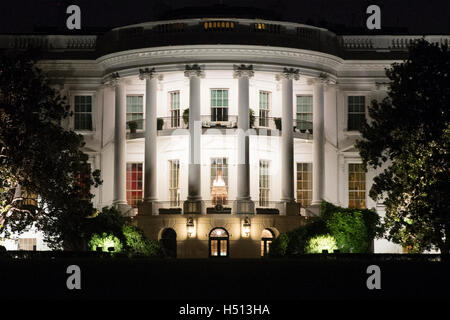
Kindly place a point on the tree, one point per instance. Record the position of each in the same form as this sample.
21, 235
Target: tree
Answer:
38, 155
408, 139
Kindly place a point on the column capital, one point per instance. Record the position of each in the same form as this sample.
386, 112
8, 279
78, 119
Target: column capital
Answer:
243, 71
112, 80
147, 73
323, 78
193, 71
289, 73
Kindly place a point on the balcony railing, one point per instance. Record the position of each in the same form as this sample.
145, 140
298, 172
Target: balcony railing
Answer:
166, 123
270, 123
220, 207
224, 122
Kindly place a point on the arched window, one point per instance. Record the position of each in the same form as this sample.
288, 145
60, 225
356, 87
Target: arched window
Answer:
218, 243
169, 242
266, 239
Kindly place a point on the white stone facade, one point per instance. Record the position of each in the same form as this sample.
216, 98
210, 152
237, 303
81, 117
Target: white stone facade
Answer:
244, 70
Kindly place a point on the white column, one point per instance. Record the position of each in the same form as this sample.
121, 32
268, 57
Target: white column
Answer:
120, 197
287, 141
318, 142
194, 203
150, 163
243, 199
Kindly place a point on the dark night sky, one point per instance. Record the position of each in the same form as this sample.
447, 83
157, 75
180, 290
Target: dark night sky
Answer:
418, 16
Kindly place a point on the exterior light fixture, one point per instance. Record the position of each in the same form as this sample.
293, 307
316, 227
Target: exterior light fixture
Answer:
246, 228
190, 226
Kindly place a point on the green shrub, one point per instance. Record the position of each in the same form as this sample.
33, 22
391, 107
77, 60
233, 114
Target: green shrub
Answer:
352, 230
137, 244
319, 243
105, 242
252, 118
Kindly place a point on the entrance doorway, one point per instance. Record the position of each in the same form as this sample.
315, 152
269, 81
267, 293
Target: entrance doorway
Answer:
169, 242
218, 243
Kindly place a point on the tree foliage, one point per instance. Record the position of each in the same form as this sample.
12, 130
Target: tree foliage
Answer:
408, 139
38, 154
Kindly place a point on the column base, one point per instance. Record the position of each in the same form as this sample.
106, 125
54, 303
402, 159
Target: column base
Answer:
149, 208
125, 209
289, 208
244, 207
313, 210
193, 207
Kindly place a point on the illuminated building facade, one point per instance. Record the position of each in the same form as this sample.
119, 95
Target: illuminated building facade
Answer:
219, 134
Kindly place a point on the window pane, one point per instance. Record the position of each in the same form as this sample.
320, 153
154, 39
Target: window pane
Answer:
134, 184
356, 186
83, 113
356, 112
135, 110
304, 184
304, 112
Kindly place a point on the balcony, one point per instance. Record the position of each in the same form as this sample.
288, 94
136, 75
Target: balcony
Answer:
262, 125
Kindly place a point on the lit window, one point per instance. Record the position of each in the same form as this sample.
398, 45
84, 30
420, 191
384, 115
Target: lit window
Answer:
27, 244
356, 112
264, 108
356, 186
83, 113
264, 188
304, 184
135, 110
134, 184
219, 105
305, 113
219, 180
174, 182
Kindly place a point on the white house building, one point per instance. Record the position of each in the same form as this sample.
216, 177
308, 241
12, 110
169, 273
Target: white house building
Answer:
274, 110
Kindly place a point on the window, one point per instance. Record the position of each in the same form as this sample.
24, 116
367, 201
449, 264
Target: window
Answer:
83, 113
135, 110
28, 244
219, 105
305, 113
174, 182
356, 186
174, 106
264, 108
264, 188
304, 184
356, 112
266, 240
134, 184
219, 180
218, 243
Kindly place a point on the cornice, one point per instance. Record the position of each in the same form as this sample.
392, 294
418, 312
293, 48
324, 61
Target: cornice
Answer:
223, 53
